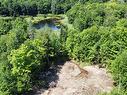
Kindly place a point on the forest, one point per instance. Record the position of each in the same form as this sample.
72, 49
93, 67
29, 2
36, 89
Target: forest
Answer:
96, 33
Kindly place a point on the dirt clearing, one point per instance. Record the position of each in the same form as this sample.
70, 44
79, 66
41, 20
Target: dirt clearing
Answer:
73, 80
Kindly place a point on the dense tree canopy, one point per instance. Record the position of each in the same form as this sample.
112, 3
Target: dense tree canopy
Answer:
96, 34
100, 37
22, 57
32, 7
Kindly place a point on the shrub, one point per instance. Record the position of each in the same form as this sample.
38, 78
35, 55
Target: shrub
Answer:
25, 61
98, 45
119, 69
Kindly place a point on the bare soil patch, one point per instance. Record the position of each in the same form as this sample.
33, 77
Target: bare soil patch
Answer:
73, 80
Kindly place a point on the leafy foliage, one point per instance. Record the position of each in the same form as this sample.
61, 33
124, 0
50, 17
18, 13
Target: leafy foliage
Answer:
23, 57
119, 70
25, 61
101, 14
30, 7
5, 26
97, 45
99, 36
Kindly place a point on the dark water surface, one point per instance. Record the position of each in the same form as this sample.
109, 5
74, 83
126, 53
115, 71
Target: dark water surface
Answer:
48, 23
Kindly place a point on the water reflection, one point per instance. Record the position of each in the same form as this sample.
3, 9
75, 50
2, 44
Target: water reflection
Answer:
50, 24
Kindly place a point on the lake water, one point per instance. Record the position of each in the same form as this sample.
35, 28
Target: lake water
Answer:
48, 23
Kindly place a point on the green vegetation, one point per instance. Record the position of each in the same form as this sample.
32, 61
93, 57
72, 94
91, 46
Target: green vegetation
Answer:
30, 7
119, 69
100, 37
24, 54
92, 31
100, 14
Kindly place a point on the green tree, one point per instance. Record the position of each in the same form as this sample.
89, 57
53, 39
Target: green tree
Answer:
25, 61
119, 70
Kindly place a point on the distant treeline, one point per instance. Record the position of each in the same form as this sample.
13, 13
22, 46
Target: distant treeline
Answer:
33, 7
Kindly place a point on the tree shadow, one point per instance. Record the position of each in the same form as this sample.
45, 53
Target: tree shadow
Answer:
48, 78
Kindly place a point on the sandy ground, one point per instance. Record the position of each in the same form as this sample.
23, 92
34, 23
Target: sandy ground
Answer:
73, 80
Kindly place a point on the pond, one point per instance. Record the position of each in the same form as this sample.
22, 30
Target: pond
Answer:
46, 23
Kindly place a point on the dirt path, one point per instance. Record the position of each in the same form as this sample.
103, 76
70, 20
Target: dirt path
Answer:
72, 80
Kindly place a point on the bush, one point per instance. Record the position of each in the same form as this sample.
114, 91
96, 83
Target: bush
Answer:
112, 43
83, 16
97, 45
5, 26
119, 69
25, 61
